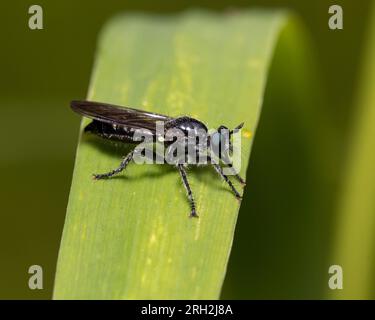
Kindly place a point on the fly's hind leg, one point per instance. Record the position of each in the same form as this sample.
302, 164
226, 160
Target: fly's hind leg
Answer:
125, 161
185, 181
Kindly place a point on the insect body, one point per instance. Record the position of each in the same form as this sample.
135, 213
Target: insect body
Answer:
122, 124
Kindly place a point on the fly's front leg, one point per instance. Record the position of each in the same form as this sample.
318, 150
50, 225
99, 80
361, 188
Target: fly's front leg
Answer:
125, 161
219, 170
188, 190
237, 176
240, 179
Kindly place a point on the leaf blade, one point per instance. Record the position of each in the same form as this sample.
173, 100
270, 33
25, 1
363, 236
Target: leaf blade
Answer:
129, 237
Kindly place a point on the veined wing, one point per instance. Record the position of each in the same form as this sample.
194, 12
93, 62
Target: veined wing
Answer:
112, 114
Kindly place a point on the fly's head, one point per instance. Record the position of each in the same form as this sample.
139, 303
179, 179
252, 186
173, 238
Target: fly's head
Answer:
221, 143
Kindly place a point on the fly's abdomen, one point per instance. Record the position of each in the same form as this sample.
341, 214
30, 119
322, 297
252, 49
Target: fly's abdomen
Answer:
110, 131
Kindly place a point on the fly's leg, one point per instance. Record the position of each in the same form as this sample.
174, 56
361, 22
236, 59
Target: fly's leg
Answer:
125, 161
237, 176
240, 179
185, 181
219, 170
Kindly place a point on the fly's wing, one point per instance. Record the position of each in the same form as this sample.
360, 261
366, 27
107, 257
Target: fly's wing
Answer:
128, 117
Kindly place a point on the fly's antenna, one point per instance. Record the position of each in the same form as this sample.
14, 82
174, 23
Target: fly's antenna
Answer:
236, 129
231, 132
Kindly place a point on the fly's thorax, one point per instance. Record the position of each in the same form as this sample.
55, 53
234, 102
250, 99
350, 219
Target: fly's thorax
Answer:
187, 141
187, 125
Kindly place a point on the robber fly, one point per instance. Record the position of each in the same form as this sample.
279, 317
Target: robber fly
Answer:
120, 124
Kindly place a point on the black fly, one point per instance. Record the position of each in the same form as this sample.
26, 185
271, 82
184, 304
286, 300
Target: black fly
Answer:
120, 123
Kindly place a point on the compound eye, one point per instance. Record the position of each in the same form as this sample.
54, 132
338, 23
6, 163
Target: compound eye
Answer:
215, 139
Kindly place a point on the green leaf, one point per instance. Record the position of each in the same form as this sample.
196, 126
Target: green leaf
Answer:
130, 237
354, 244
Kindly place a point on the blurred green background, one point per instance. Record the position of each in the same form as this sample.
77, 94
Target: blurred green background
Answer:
282, 251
